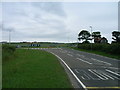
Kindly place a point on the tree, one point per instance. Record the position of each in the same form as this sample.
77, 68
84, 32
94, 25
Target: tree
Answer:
116, 36
96, 36
84, 35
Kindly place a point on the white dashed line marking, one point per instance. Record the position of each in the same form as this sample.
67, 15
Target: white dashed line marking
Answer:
84, 61
99, 61
80, 55
70, 55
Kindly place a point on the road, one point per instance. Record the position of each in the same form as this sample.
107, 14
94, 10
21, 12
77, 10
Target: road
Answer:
90, 70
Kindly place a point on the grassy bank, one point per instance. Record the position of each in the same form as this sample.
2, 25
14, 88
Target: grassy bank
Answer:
7, 52
34, 69
99, 53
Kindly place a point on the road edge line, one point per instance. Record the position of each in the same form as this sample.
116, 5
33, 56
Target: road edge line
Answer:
71, 71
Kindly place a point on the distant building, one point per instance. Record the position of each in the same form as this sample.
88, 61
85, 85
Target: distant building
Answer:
100, 40
103, 40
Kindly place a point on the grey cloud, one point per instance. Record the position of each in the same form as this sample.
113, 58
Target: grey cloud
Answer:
50, 7
6, 28
58, 35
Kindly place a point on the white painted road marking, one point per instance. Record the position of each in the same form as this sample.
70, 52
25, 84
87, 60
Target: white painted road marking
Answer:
114, 77
87, 77
106, 74
99, 61
113, 67
101, 74
71, 71
96, 74
82, 77
70, 55
76, 71
80, 55
84, 61
91, 76
113, 72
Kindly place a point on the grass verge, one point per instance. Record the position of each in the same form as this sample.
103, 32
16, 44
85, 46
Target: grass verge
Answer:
99, 53
34, 69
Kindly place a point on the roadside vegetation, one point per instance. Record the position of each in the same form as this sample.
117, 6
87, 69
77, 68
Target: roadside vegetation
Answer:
7, 52
100, 45
33, 69
100, 50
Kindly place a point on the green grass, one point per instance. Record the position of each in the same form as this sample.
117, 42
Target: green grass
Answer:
99, 53
34, 69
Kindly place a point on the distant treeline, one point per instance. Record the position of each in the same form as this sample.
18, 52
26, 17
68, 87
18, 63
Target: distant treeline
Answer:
108, 48
7, 51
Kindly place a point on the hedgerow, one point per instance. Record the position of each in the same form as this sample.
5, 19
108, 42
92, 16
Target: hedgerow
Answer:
7, 51
108, 48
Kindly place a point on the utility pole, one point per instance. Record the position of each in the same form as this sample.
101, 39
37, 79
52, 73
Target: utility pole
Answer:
91, 37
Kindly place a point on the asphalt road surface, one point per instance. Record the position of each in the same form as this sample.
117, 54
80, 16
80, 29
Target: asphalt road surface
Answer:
90, 70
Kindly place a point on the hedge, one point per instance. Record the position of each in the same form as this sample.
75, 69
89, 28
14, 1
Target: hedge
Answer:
7, 51
108, 48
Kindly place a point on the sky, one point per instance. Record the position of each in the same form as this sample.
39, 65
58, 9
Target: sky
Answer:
56, 21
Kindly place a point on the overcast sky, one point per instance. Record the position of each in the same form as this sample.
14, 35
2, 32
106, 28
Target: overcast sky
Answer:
57, 21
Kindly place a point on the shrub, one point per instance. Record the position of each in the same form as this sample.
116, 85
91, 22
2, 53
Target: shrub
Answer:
7, 51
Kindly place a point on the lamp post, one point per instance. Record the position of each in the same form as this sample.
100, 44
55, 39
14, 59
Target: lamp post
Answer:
91, 36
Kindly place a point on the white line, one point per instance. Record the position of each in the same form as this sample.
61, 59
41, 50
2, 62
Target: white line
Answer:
82, 77
84, 61
100, 61
106, 75
63, 52
70, 55
113, 67
112, 72
114, 76
87, 76
101, 74
80, 55
96, 74
91, 76
76, 70
71, 71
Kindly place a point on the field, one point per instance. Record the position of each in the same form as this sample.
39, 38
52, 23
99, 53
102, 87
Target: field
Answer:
34, 69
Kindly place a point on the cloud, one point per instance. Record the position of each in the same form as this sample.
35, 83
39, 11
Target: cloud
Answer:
55, 21
6, 28
34, 20
50, 7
